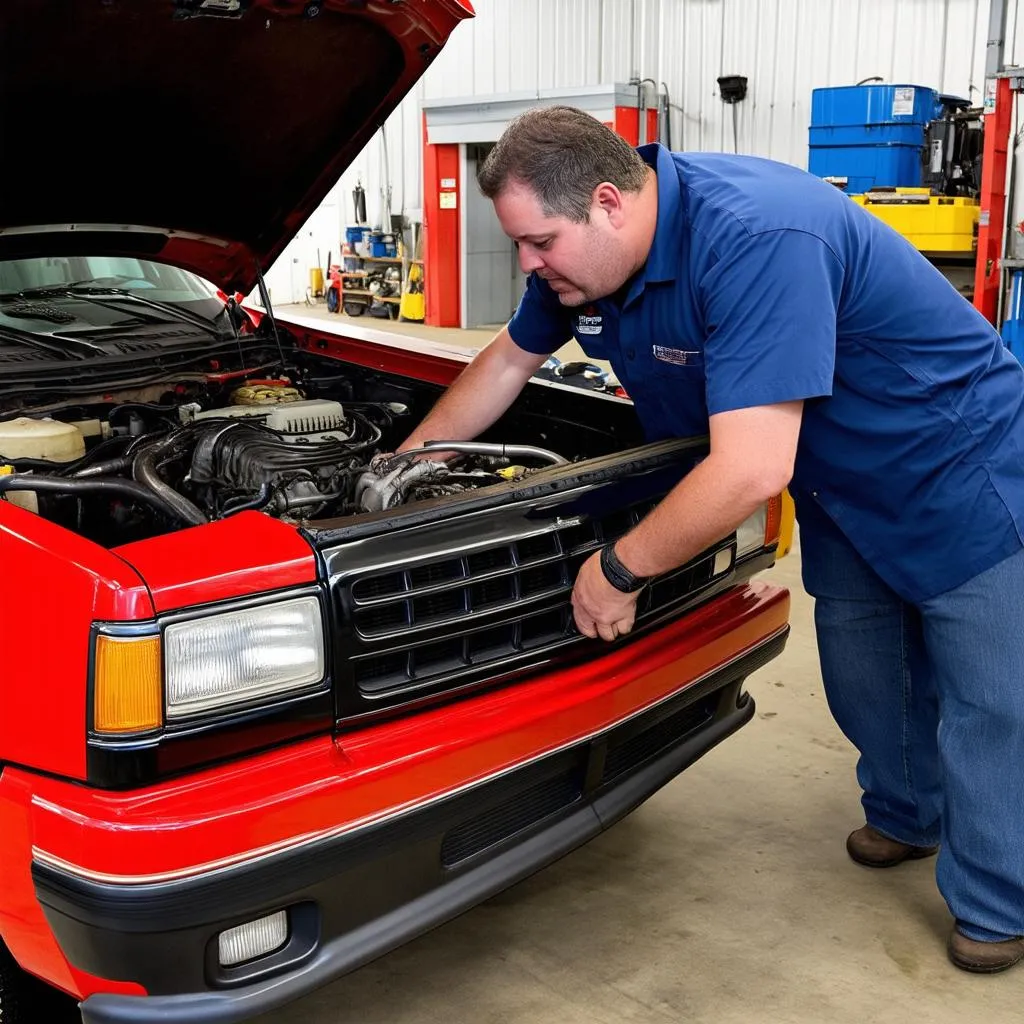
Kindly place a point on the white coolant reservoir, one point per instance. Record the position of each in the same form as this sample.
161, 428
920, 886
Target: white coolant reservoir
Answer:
26, 438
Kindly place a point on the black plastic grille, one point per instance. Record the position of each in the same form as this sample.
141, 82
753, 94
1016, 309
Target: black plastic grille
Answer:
480, 647
438, 623
458, 588
656, 739
519, 812
629, 748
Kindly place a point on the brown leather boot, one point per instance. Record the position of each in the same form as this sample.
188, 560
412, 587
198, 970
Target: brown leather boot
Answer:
869, 847
984, 957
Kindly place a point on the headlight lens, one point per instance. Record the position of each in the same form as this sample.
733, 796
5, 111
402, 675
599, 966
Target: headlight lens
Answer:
237, 656
750, 533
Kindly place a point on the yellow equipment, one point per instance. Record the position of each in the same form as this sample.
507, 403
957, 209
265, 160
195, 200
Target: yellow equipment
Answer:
941, 225
787, 526
316, 282
413, 302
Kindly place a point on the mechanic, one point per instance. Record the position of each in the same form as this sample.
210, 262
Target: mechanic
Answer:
748, 300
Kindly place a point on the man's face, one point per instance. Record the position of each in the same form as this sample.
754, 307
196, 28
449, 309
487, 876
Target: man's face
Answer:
581, 262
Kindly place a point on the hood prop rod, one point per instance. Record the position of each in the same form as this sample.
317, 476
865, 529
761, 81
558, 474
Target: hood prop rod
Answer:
265, 299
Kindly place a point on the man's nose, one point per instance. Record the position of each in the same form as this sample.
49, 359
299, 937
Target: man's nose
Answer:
529, 259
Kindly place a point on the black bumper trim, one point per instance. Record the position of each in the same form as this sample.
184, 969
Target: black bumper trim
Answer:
375, 890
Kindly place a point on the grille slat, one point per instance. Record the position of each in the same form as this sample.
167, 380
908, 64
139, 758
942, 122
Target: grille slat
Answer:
380, 585
444, 605
491, 592
485, 561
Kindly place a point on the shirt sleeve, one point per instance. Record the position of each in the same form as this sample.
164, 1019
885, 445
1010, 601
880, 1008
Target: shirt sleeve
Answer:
771, 308
540, 323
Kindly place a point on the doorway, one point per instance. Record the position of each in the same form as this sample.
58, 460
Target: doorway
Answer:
493, 280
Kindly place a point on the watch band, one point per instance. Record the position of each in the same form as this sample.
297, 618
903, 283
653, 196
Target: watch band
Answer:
618, 575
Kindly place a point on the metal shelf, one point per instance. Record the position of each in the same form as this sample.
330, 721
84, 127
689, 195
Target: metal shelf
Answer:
364, 291
382, 259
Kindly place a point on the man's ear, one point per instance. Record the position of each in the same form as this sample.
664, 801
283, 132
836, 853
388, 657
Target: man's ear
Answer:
607, 202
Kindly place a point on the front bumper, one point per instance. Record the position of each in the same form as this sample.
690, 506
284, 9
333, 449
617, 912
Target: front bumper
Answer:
355, 893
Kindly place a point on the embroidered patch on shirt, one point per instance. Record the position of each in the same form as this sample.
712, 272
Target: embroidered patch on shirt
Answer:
589, 324
677, 356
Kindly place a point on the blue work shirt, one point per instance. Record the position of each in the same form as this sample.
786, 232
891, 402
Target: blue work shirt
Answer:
765, 284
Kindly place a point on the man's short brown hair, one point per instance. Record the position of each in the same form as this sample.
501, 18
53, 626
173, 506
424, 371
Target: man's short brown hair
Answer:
562, 154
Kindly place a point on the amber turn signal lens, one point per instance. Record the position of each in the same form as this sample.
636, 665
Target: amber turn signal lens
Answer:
773, 520
127, 696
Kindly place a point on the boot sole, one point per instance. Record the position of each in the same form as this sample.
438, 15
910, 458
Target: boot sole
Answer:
918, 853
976, 967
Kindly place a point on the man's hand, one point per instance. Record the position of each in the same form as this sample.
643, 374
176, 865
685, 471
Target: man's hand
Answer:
599, 609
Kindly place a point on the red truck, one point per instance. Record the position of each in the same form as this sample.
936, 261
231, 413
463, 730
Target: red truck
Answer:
269, 704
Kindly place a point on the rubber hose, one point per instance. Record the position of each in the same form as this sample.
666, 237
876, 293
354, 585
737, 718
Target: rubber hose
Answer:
102, 468
249, 504
63, 485
144, 471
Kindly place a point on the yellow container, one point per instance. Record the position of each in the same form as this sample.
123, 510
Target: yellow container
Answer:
787, 526
932, 224
316, 282
412, 306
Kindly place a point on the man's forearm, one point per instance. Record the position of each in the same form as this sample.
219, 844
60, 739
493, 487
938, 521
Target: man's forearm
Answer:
753, 452
479, 396
705, 506
465, 410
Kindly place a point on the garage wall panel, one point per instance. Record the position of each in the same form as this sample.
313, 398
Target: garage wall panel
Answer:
786, 48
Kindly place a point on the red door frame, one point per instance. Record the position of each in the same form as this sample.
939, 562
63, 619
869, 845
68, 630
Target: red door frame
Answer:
442, 252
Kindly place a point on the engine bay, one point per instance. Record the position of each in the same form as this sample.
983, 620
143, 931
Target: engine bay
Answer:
315, 442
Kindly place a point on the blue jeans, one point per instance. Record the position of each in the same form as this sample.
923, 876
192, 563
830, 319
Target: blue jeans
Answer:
932, 696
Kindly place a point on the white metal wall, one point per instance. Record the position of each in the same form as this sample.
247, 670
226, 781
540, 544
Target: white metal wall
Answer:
786, 48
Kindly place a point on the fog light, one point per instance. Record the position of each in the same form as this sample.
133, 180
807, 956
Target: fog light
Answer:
253, 939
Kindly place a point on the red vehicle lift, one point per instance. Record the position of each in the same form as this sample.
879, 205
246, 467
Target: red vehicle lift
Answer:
1001, 83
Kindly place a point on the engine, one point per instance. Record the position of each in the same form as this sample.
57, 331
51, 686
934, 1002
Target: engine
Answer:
150, 466
288, 455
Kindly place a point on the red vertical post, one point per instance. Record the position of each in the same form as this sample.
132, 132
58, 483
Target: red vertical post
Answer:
442, 197
627, 124
992, 216
652, 124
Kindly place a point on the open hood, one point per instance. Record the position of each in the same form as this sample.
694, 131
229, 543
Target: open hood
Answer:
201, 133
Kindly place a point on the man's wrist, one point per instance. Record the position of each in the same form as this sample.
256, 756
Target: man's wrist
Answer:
618, 575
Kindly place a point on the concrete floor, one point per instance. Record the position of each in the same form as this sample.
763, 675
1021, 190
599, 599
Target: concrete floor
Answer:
727, 898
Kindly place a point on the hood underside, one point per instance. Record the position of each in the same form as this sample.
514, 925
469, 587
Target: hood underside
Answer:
165, 129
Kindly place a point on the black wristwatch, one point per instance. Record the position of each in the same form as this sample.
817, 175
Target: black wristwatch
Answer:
618, 575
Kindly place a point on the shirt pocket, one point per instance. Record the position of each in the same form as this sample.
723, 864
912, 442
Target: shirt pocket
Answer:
673, 401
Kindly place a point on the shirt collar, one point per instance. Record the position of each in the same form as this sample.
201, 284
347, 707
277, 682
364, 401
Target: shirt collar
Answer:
662, 262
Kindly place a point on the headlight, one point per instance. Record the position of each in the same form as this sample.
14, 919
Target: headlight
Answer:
750, 533
761, 528
237, 656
